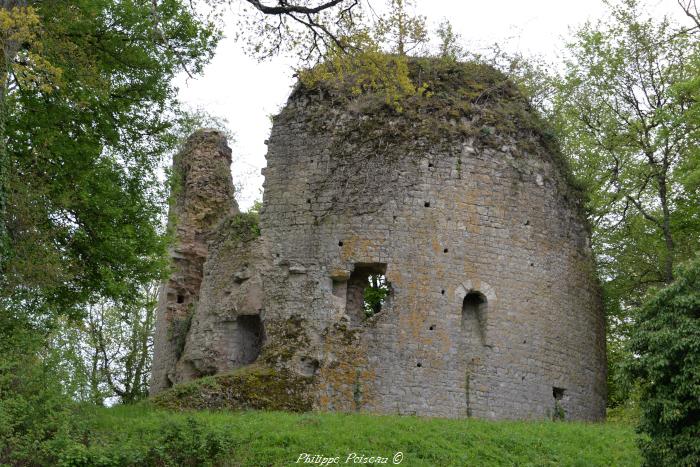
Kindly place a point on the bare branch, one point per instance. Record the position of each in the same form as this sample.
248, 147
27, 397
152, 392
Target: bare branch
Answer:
283, 8
690, 8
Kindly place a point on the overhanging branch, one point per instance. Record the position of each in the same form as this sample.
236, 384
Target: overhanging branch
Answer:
283, 8
690, 8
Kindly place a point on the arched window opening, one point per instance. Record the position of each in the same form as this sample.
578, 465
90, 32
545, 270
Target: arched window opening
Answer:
474, 309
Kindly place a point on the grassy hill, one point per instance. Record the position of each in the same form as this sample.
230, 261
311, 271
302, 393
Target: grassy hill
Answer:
144, 435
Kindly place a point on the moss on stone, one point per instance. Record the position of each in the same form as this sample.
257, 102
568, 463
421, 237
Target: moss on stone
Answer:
284, 339
242, 227
450, 91
252, 387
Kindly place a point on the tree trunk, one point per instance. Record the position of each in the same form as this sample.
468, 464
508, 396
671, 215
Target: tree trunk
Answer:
666, 227
95, 393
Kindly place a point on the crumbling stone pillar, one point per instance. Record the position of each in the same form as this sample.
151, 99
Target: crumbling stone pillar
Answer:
202, 195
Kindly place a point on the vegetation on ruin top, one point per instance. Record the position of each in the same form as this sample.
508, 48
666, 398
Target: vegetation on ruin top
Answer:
400, 103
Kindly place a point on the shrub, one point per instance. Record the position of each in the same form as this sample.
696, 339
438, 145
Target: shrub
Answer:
666, 340
37, 418
176, 442
188, 444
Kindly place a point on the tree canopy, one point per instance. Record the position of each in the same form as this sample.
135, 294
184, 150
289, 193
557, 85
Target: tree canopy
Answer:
626, 115
87, 110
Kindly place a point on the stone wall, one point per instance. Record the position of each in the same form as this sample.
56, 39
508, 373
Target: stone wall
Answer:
494, 310
491, 222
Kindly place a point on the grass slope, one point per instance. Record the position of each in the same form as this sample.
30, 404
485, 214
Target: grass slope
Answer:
143, 435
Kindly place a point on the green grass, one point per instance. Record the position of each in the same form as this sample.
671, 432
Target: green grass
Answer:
126, 435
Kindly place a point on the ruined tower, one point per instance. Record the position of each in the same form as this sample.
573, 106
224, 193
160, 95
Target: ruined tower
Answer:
202, 195
457, 210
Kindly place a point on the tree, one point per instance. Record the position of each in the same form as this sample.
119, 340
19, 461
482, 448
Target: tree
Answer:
449, 46
624, 114
402, 31
36, 418
375, 293
88, 108
86, 115
691, 90
666, 344
629, 130
111, 351
306, 28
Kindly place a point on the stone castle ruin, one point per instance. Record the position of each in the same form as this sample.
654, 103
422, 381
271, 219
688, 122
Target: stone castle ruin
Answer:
430, 260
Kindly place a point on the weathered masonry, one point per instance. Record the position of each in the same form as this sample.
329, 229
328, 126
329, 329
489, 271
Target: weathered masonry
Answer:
432, 261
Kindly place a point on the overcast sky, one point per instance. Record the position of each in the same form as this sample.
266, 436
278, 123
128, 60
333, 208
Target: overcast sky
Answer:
246, 92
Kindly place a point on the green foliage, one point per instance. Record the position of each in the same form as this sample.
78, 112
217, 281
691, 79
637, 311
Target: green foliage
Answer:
126, 435
532, 74
452, 100
37, 417
437, 90
83, 145
178, 329
401, 31
374, 58
185, 441
666, 344
625, 116
559, 414
256, 207
249, 387
363, 67
449, 46
375, 294
242, 227
629, 137
107, 355
87, 115
628, 415
188, 444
